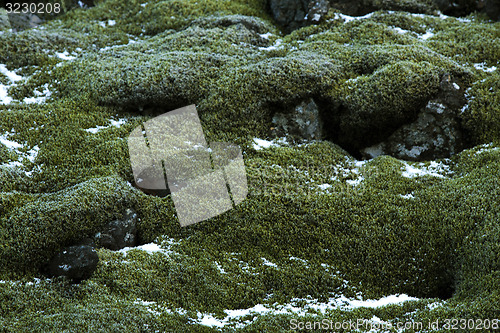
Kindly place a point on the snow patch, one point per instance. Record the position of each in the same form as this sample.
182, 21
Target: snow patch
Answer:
277, 43
259, 143
114, 123
348, 18
65, 55
434, 169
266, 35
290, 308
41, 96
482, 66
427, 35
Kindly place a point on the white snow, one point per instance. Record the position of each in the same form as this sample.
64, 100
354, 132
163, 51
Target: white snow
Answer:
374, 151
316, 17
153, 247
65, 55
427, 35
435, 169
277, 43
348, 18
111, 23
482, 66
324, 186
259, 143
115, 123
8, 143
407, 196
266, 35
12, 76
41, 96
399, 30
268, 263
290, 308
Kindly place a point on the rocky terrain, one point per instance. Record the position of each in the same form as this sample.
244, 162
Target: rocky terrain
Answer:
370, 133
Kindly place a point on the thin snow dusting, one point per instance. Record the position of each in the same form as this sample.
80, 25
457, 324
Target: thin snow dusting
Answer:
13, 77
113, 123
268, 263
259, 143
487, 147
348, 18
266, 35
482, 66
16, 147
153, 247
324, 186
427, 35
277, 43
65, 55
434, 169
342, 303
41, 97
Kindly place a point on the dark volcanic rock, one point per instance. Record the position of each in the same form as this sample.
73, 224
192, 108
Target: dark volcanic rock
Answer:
302, 123
463, 7
76, 262
294, 14
289, 13
118, 234
435, 134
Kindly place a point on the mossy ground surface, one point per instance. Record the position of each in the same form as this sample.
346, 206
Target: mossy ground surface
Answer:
317, 224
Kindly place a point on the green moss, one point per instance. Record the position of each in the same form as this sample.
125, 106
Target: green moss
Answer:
382, 102
482, 113
158, 16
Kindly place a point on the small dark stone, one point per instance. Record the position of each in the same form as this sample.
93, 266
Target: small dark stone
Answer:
118, 234
76, 262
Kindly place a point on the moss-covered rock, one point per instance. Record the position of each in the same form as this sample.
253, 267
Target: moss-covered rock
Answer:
33, 232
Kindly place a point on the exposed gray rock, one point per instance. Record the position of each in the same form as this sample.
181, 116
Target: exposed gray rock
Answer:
76, 262
294, 14
436, 133
463, 8
491, 8
289, 14
118, 234
23, 21
303, 123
